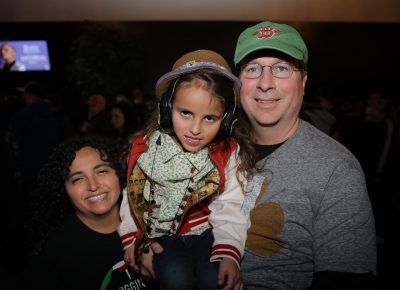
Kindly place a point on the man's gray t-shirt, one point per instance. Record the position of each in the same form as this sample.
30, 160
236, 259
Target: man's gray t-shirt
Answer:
312, 214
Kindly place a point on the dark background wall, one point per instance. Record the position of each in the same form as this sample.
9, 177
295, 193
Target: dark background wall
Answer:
351, 57
348, 58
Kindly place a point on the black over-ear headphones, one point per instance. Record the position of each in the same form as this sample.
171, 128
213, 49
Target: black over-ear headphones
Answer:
165, 114
228, 121
165, 110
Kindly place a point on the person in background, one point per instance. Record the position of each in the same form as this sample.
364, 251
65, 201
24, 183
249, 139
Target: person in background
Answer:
185, 173
11, 253
74, 219
65, 124
122, 98
310, 220
321, 112
11, 245
35, 131
125, 120
379, 159
98, 119
10, 63
144, 103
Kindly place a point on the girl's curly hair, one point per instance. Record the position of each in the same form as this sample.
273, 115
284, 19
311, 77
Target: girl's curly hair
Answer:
49, 203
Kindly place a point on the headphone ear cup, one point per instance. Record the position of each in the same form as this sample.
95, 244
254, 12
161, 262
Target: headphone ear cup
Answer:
165, 112
227, 123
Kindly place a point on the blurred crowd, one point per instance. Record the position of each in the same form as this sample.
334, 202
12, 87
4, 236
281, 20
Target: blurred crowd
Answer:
368, 125
34, 120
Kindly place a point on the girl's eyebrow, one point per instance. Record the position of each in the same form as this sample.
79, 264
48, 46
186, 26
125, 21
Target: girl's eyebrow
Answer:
180, 107
183, 109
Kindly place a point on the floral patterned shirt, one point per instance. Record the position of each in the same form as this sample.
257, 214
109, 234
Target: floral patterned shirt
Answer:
173, 171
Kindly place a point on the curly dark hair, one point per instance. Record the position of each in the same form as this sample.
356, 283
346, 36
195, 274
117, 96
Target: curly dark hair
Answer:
49, 201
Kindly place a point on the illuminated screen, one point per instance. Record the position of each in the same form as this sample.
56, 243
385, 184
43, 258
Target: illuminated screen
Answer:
24, 55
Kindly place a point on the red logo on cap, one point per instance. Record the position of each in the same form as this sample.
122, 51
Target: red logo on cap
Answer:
266, 32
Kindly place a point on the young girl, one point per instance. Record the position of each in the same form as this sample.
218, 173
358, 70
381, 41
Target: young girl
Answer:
184, 179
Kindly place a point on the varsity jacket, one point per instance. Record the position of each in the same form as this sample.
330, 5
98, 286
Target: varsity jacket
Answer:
218, 203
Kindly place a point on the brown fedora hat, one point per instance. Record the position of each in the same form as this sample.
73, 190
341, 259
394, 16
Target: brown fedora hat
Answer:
193, 61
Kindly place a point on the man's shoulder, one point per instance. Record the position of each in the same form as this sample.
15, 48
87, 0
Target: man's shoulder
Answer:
312, 139
311, 147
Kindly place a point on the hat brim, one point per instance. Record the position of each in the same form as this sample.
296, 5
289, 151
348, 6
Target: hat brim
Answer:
285, 48
165, 80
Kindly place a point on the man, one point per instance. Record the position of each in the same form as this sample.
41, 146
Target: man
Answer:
8, 54
98, 121
310, 220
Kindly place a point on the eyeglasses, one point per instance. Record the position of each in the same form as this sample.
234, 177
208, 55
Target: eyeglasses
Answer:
280, 70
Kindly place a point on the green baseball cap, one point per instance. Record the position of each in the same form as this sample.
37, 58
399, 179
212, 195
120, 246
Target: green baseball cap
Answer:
270, 35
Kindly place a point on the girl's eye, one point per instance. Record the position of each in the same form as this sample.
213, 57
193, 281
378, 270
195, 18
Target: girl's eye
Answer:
185, 113
211, 118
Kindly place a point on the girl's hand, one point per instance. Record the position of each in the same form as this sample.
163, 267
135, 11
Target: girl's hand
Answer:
229, 276
129, 257
146, 260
